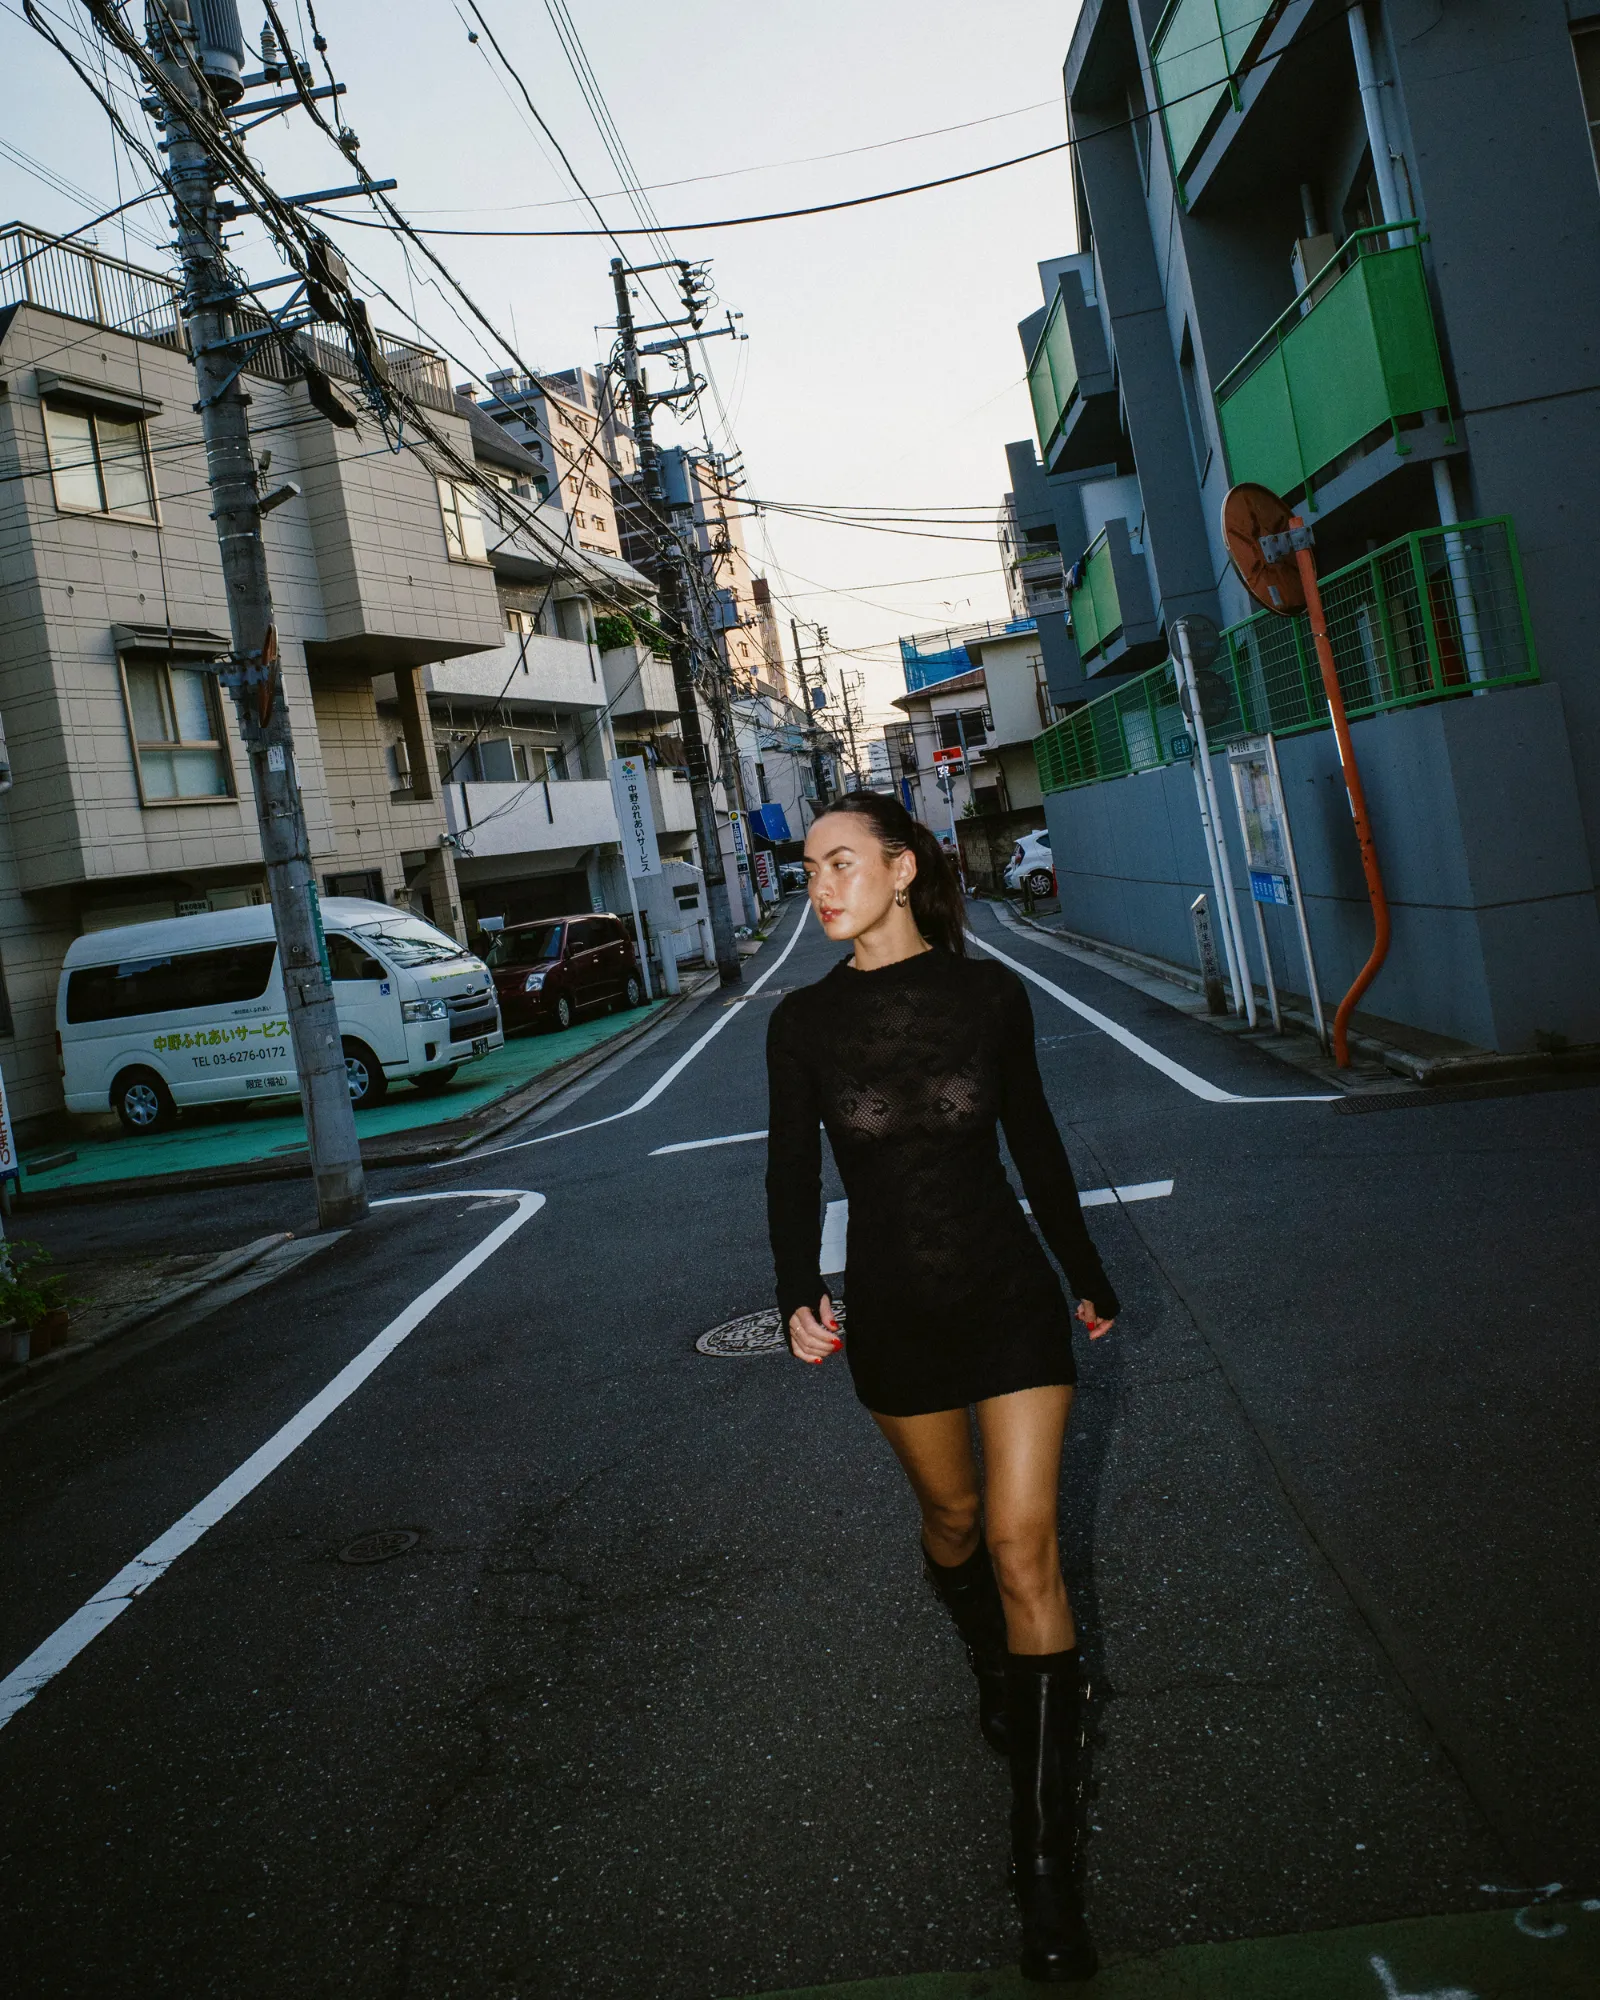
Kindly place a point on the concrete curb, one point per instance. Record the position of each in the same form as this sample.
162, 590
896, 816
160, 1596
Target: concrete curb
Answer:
385, 1152
1477, 1066
228, 1265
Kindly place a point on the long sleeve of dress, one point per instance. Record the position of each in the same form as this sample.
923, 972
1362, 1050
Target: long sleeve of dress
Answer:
794, 1171
1042, 1161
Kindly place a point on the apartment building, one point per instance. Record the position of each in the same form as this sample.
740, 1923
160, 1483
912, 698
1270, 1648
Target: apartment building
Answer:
964, 759
1351, 253
578, 442
447, 698
522, 732
132, 794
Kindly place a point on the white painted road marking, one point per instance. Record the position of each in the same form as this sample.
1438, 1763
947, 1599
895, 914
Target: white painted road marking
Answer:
699, 1145
831, 1258
109, 1602
1197, 1086
668, 1077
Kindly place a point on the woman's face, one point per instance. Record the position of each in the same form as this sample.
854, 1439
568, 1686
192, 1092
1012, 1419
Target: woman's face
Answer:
850, 879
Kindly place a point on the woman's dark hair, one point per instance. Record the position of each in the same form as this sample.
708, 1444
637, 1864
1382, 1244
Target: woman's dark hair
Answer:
936, 901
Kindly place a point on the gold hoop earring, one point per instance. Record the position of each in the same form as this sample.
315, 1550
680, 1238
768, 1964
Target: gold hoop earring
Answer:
901, 898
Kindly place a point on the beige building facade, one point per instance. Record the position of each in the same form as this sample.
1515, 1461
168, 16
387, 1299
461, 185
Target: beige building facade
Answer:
400, 622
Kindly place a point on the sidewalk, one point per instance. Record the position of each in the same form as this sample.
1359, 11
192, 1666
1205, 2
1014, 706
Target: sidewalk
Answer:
1388, 1058
212, 1143
1551, 1952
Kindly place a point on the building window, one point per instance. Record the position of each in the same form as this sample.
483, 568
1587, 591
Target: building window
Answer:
521, 622
100, 463
1586, 47
463, 524
175, 720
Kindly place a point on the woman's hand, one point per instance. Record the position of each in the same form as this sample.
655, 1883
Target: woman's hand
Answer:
1096, 1325
813, 1336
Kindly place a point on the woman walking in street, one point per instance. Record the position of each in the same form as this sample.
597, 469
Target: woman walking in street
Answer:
910, 1053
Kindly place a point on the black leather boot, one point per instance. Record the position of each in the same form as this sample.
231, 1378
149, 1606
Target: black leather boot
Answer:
971, 1595
1045, 1717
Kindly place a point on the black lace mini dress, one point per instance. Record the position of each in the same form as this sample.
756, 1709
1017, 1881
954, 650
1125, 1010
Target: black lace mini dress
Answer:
910, 1069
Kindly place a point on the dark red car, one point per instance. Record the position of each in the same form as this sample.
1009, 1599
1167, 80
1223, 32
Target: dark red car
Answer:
548, 973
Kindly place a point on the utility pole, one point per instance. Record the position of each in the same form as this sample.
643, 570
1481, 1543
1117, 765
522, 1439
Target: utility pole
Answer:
676, 595
846, 698
209, 299
819, 764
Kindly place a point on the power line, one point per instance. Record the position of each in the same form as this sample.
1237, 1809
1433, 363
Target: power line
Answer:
1066, 145
766, 166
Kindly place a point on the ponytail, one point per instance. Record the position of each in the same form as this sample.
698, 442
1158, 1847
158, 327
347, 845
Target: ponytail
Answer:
937, 906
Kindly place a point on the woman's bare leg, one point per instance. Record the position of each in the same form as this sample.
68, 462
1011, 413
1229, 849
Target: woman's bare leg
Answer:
936, 1453
1022, 1439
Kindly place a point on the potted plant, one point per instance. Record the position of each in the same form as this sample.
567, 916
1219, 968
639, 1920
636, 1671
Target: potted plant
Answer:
33, 1301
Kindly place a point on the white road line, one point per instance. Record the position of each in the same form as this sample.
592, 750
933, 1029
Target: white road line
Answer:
830, 1259
109, 1602
661, 1082
699, 1145
1197, 1086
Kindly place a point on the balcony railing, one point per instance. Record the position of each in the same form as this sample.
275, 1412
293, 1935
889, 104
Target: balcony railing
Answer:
930, 657
83, 284
537, 818
1353, 355
1198, 51
1093, 608
1437, 614
1052, 377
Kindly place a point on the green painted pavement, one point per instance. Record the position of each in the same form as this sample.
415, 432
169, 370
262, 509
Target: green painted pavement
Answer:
1551, 1952
226, 1135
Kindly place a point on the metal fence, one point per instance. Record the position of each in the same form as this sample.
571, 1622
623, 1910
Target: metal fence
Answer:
80, 283
84, 284
1434, 615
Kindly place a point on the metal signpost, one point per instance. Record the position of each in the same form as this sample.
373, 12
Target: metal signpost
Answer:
1272, 550
946, 763
1244, 990
630, 793
1269, 855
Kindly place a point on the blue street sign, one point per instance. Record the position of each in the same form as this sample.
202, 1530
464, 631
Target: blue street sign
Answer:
1267, 888
1181, 746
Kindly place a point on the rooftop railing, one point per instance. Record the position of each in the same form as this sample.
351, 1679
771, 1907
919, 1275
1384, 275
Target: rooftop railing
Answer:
929, 657
82, 283
1435, 615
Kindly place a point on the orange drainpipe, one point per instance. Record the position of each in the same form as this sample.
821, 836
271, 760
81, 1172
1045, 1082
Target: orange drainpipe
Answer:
1358, 803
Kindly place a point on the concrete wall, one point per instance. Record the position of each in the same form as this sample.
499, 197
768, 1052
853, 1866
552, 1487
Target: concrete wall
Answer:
1475, 812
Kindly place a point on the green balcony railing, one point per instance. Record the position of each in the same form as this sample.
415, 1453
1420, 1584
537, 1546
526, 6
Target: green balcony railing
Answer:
1198, 50
1052, 377
1436, 614
1354, 354
1093, 608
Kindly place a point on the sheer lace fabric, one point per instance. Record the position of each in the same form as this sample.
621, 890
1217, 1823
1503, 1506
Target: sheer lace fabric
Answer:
911, 1069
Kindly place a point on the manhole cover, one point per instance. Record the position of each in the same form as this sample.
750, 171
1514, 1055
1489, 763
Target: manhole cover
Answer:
753, 1333
380, 1546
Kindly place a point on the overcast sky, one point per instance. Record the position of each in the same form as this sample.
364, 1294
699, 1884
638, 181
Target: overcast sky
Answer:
882, 366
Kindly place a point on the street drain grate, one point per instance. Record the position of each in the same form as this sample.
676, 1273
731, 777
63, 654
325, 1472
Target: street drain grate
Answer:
379, 1546
752, 1333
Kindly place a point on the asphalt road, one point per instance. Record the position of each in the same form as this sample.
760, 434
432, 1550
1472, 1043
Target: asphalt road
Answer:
656, 1705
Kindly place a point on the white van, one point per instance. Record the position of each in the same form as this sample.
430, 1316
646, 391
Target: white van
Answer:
190, 1010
